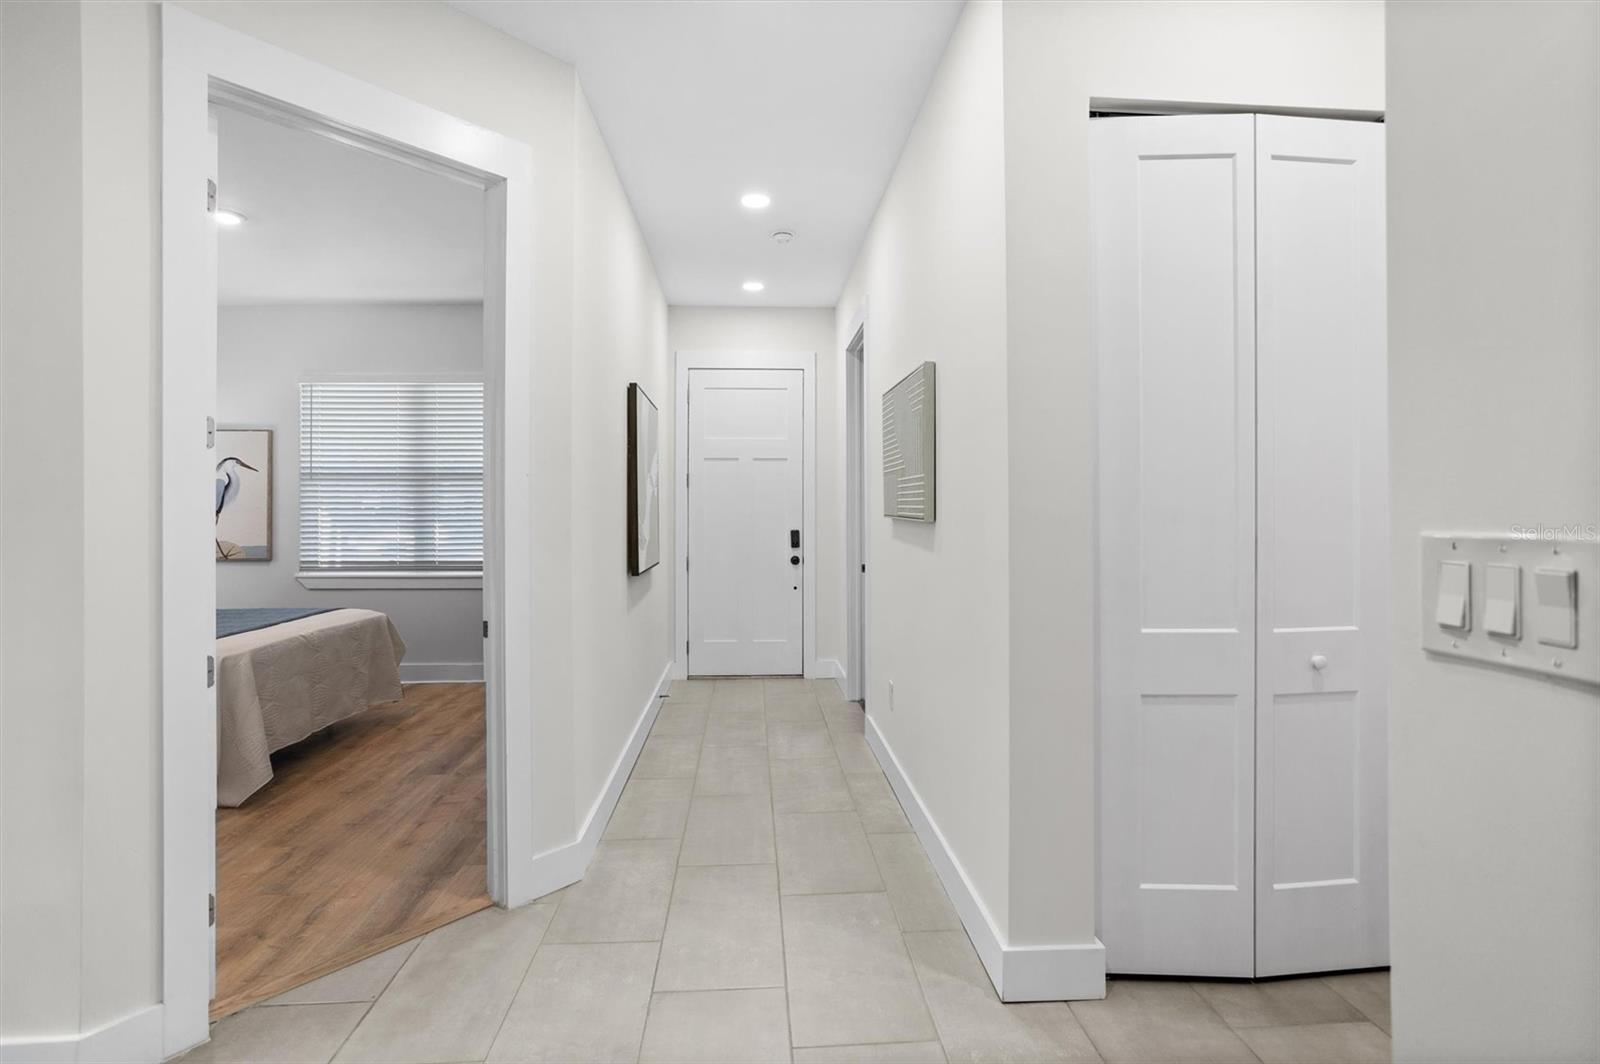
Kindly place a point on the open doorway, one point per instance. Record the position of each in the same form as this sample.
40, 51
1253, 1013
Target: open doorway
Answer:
855, 382
206, 66
349, 548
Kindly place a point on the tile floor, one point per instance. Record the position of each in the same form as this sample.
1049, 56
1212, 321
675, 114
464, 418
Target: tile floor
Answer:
758, 896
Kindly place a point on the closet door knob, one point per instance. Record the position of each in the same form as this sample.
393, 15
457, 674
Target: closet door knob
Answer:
1319, 661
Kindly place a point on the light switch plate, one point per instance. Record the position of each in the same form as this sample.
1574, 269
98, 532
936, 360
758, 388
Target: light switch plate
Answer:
1508, 624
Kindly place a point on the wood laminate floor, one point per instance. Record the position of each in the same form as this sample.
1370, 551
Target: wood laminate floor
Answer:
371, 833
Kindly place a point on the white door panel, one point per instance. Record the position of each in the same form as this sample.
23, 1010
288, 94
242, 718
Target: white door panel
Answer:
745, 497
1176, 319
1240, 331
1321, 841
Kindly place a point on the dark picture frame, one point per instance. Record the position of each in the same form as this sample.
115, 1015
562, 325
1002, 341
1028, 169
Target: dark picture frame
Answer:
644, 482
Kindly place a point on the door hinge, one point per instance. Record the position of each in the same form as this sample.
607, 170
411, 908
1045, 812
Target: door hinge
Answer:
211, 910
211, 433
211, 671
211, 196
486, 629
863, 566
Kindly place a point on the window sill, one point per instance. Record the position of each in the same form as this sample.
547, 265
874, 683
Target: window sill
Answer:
375, 581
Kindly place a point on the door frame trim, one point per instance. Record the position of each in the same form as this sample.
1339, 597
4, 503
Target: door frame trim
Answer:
806, 363
857, 546
202, 62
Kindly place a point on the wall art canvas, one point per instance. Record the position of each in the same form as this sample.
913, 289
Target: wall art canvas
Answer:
644, 482
910, 474
244, 495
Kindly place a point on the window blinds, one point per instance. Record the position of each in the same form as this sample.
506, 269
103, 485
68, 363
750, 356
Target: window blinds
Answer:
391, 476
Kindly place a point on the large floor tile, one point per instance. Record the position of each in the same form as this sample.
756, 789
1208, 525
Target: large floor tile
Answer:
824, 853
915, 892
845, 718
729, 770
622, 897
668, 756
691, 690
882, 1053
790, 740
854, 754
810, 785
974, 1024
1277, 1003
715, 1026
1319, 1043
1154, 1020
827, 690
293, 1034
447, 1001
850, 979
728, 831
723, 931
681, 718
1367, 991
579, 1003
651, 809
786, 687
794, 709
876, 804
361, 981
738, 694
736, 727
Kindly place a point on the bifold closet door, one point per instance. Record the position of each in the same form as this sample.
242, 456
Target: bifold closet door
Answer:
1239, 317
1322, 547
1173, 206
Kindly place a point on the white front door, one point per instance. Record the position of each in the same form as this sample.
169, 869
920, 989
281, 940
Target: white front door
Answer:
1322, 559
746, 446
1173, 203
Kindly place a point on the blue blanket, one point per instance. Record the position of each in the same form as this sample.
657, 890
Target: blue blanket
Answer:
233, 622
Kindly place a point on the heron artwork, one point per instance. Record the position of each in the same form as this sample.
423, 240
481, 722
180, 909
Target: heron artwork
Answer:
229, 483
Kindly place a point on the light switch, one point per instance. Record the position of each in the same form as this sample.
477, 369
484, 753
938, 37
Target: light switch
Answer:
1453, 606
1555, 619
1502, 592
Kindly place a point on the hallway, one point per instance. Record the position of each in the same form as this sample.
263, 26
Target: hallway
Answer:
759, 893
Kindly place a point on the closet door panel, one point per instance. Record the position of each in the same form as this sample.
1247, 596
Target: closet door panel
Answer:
1321, 558
1172, 200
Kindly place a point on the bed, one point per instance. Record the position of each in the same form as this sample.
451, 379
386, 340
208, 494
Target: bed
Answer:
285, 674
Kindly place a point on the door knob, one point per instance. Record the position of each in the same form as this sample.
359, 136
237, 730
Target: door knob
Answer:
1319, 661
794, 559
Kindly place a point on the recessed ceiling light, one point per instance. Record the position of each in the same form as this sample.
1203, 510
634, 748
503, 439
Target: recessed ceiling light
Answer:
755, 201
228, 219
753, 286
783, 236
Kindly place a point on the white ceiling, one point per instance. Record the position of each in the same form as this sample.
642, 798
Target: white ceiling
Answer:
700, 102
327, 222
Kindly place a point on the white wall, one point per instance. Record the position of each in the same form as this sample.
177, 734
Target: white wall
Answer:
82, 849
790, 329
622, 624
978, 258
263, 354
1494, 162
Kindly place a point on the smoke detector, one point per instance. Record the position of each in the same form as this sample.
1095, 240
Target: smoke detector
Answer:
783, 236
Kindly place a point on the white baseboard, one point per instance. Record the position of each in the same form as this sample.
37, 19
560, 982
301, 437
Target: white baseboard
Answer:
830, 669
1074, 971
565, 865
441, 672
133, 1039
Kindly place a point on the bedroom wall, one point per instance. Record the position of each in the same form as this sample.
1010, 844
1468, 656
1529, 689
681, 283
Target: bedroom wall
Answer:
794, 329
82, 905
263, 354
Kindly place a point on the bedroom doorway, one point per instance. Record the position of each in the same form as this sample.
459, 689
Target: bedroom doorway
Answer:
349, 557
206, 67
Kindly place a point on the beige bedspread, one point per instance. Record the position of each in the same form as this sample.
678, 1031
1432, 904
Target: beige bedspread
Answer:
279, 684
